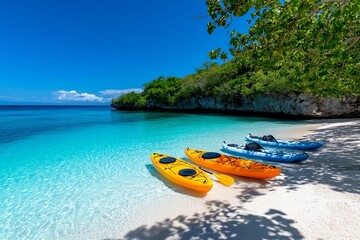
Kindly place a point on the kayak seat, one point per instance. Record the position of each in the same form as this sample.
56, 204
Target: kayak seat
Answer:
269, 138
167, 160
232, 145
187, 172
253, 146
211, 155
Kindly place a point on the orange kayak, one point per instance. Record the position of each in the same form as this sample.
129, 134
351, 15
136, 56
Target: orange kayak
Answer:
232, 165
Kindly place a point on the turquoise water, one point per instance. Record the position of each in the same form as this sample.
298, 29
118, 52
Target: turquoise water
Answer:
75, 172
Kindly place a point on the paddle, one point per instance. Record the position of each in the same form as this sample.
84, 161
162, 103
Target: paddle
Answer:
224, 179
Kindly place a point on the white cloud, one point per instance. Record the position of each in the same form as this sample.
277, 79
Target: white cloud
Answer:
74, 96
117, 93
106, 95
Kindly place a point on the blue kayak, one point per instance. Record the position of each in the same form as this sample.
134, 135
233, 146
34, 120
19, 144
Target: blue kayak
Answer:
289, 144
262, 154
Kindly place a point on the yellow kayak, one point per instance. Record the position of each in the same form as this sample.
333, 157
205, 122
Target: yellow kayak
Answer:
181, 172
232, 165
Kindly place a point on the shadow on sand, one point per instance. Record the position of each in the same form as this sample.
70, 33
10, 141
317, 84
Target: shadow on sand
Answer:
222, 221
336, 165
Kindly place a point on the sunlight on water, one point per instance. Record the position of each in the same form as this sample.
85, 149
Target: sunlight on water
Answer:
80, 172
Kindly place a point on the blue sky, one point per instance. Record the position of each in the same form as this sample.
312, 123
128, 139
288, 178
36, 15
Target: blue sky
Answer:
65, 51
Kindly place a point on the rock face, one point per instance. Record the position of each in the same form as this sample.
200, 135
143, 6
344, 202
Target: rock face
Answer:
293, 105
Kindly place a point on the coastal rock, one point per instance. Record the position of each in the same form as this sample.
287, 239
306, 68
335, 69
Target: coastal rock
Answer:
292, 104
303, 104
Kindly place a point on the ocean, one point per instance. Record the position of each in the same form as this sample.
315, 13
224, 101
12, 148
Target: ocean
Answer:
84, 172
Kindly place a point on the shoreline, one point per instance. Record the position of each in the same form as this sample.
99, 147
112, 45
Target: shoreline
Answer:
239, 113
316, 199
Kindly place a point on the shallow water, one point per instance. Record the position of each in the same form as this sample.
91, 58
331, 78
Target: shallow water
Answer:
79, 172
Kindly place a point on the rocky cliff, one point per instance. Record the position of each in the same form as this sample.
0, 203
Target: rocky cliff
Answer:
292, 105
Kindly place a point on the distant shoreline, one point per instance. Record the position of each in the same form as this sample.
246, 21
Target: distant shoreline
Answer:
54, 105
282, 116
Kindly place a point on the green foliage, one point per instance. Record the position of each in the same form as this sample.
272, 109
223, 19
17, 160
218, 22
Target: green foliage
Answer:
310, 45
163, 90
208, 80
131, 99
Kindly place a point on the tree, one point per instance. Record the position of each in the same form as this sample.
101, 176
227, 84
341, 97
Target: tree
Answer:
313, 42
163, 90
131, 99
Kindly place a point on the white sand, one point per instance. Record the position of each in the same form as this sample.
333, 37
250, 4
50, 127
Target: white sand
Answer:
316, 199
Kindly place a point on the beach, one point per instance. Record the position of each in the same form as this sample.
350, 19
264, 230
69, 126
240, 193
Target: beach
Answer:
316, 199
85, 173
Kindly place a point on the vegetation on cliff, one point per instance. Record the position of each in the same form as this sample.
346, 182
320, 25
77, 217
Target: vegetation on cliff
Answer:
309, 46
